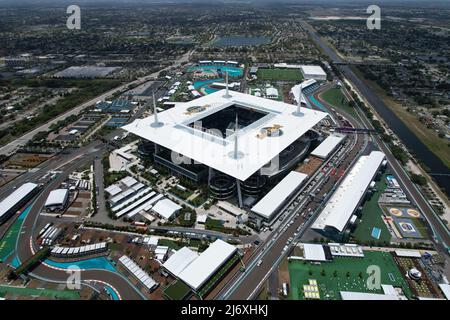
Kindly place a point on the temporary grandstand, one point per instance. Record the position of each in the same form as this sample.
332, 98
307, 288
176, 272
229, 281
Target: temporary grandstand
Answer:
16, 200
349, 195
295, 90
72, 252
268, 206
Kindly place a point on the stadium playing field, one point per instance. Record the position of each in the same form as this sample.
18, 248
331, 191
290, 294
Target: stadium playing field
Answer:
344, 274
279, 74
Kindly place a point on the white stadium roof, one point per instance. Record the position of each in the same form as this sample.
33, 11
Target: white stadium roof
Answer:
57, 197
327, 146
166, 208
180, 260
18, 195
207, 263
217, 152
345, 200
267, 206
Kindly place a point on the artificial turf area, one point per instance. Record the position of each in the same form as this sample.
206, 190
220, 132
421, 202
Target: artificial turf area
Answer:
33, 292
8, 242
372, 217
177, 290
279, 74
218, 275
344, 274
336, 98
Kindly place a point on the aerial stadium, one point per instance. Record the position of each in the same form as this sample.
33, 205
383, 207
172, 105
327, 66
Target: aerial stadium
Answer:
234, 142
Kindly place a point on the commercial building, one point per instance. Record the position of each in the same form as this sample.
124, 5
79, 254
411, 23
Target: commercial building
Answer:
344, 202
227, 137
268, 206
57, 200
16, 200
313, 72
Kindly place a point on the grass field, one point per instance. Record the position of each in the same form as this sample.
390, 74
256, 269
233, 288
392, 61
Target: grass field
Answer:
371, 217
33, 292
336, 98
177, 290
279, 74
344, 274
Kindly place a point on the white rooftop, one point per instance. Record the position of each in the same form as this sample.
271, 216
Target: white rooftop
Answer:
18, 195
217, 152
207, 263
166, 208
313, 70
445, 289
129, 181
327, 146
180, 260
267, 206
314, 252
408, 253
348, 295
57, 197
347, 197
113, 190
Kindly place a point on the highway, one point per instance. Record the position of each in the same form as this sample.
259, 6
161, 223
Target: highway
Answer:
21, 141
442, 234
26, 246
299, 214
63, 164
